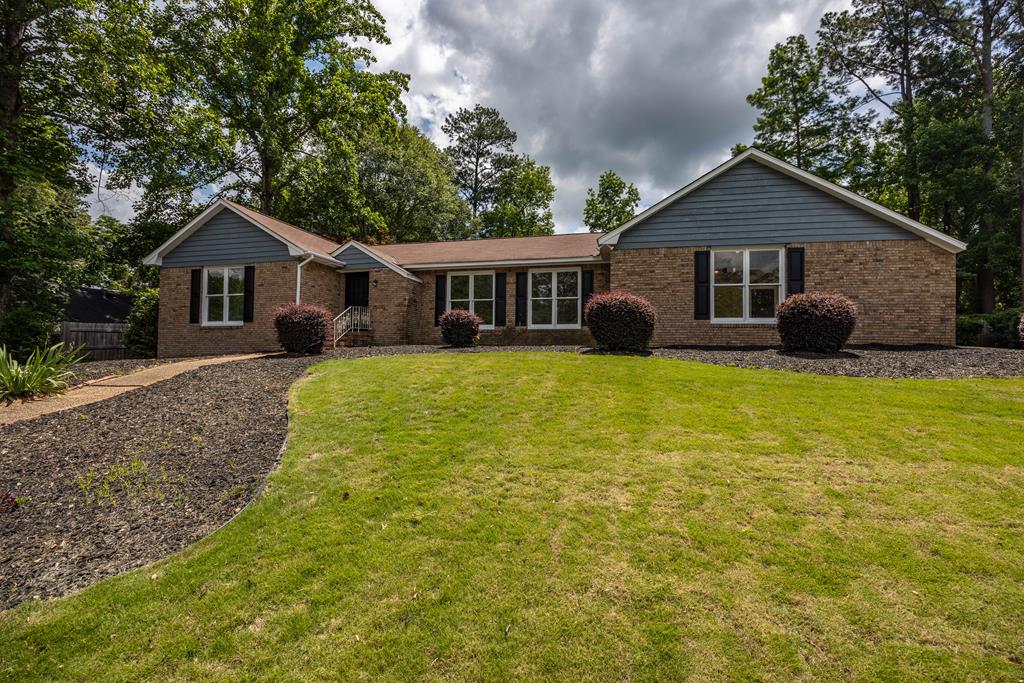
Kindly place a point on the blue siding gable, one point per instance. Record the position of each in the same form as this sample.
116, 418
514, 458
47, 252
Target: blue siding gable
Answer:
227, 238
754, 204
356, 259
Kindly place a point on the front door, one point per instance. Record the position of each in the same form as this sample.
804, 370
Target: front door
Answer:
357, 289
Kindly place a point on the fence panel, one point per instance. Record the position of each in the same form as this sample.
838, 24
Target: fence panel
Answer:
103, 341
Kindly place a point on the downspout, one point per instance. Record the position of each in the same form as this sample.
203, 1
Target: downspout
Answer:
298, 279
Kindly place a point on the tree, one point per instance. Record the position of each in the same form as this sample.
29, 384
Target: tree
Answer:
806, 117
613, 204
983, 29
271, 99
522, 202
884, 43
409, 184
75, 76
481, 149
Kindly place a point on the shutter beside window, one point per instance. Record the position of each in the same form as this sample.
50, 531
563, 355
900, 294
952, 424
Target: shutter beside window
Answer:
586, 289
794, 270
702, 285
521, 299
249, 289
195, 298
499, 299
440, 296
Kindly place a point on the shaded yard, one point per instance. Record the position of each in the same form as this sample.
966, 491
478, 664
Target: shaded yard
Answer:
567, 516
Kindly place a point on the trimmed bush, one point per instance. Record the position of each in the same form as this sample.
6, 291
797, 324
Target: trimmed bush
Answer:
302, 328
620, 321
140, 334
819, 322
459, 328
47, 371
999, 329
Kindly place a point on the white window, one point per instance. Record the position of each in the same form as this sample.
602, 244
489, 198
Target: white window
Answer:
554, 298
223, 296
746, 285
473, 292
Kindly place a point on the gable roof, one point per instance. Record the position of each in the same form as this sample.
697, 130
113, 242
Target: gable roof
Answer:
383, 259
574, 247
299, 242
930, 234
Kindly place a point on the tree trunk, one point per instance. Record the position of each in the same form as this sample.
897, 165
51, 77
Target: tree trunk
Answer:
912, 170
1021, 217
10, 112
986, 278
266, 184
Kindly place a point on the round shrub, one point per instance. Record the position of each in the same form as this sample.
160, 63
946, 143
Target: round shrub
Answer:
459, 328
302, 328
819, 322
620, 321
140, 333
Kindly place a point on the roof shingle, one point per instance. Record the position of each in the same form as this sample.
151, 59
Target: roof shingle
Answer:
571, 246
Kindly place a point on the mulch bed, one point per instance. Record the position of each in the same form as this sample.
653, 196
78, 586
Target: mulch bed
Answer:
93, 370
126, 481
933, 363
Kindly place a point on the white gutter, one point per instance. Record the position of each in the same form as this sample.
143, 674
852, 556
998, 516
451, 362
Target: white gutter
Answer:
298, 278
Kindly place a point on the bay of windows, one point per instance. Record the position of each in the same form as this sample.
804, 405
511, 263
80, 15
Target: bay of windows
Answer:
473, 292
223, 296
746, 285
555, 298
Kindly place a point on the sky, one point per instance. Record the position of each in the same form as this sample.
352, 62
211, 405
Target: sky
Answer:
652, 89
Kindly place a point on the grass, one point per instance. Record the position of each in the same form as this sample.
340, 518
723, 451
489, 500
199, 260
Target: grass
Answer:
571, 517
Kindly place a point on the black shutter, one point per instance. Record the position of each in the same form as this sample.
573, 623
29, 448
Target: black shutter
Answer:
440, 296
702, 285
586, 289
499, 299
250, 288
794, 270
521, 299
195, 298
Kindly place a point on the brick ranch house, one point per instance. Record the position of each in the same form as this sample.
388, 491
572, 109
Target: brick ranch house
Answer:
715, 258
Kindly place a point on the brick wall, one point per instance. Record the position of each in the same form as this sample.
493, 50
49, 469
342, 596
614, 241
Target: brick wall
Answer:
275, 285
423, 331
905, 291
322, 286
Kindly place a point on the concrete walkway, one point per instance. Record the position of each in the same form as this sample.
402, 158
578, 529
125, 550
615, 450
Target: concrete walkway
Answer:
103, 389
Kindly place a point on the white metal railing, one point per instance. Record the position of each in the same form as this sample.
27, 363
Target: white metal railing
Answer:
353, 319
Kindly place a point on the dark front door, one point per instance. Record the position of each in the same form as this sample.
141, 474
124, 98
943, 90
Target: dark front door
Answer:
357, 289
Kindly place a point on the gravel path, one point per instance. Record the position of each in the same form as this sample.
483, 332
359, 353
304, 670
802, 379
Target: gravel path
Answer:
120, 483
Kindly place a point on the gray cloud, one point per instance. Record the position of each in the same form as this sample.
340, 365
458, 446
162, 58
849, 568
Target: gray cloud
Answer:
654, 90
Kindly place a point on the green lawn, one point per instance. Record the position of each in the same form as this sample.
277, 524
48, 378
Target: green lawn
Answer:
557, 516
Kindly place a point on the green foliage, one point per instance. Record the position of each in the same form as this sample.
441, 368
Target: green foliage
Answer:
1000, 329
522, 202
46, 371
613, 204
481, 150
805, 116
140, 336
408, 184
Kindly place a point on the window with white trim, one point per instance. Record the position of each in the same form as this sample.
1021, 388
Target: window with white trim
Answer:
223, 296
746, 285
473, 292
554, 298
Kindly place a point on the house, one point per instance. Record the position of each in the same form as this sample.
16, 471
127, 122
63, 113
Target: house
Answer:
715, 258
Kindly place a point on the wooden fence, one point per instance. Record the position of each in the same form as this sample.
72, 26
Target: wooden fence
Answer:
103, 341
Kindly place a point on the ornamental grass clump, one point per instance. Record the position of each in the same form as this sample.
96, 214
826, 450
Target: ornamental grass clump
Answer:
302, 328
459, 328
620, 321
46, 371
819, 322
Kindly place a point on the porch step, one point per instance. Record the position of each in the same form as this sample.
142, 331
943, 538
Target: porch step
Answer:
362, 338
